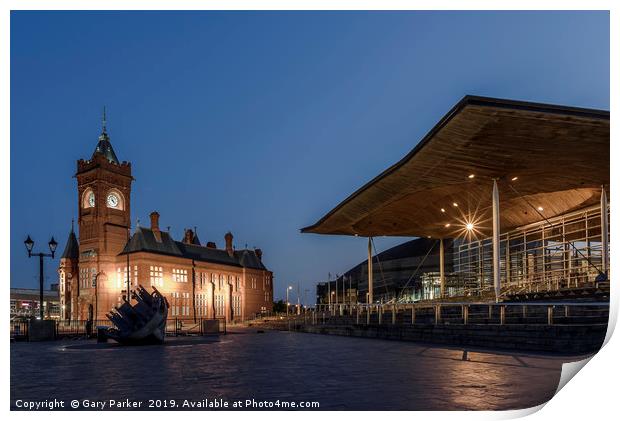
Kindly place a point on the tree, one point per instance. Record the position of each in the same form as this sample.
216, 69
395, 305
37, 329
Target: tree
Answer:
279, 306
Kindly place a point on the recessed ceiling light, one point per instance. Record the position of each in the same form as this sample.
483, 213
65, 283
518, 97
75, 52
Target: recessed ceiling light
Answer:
456, 205
469, 226
470, 176
540, 208
443, 210
514, 178
447, 225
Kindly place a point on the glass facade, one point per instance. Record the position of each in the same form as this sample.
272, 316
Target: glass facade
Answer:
562, 252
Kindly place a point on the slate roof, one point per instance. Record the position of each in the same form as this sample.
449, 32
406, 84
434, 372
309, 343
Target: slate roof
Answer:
206, 254
104, 147
249, 259
144, 240
72, 249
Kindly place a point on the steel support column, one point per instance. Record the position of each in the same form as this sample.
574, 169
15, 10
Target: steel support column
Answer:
604, 232
442, 273
370, 286
496, 255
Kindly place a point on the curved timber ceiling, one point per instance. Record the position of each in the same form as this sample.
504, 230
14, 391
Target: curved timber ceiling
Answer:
559, 156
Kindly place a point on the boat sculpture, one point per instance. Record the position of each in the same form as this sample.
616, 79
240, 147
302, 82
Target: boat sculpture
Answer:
141, 323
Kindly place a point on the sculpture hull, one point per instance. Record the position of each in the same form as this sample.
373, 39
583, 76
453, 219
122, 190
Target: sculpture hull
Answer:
142, 323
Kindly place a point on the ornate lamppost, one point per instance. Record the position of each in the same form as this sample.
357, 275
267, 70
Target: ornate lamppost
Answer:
52, 245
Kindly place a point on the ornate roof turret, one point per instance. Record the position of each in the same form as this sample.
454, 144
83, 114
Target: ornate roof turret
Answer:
72, 247
104, 147
195, 239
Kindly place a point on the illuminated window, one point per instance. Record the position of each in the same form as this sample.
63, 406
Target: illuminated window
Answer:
185, 307
156, 274
121, 277
87, 277
179, 275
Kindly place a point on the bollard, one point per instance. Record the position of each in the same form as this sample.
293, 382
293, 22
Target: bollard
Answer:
524, 312
394, 314
357, 315
490, 313
502, 315
380, 311
465, 314
413, 314
565, 311
437, 313
368, 316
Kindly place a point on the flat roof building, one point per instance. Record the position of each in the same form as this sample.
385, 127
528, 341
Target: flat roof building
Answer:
25, 303
520, 187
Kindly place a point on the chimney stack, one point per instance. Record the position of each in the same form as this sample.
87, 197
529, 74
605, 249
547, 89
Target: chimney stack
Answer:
155, 226
229, 239
259, 254
211, 245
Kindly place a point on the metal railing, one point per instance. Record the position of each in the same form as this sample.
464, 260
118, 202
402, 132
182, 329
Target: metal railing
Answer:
86, 328
464, 313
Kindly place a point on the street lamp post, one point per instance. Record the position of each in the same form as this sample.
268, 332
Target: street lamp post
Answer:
52, 245
287, 290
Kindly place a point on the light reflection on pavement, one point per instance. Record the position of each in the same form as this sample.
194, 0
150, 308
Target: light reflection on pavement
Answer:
338, 372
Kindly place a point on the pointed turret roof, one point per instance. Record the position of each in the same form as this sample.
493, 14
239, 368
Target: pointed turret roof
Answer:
195, 239
72, 249
104, 147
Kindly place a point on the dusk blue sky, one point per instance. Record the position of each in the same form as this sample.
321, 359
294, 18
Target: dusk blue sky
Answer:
260, 123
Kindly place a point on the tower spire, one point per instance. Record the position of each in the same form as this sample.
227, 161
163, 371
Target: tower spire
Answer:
103, 121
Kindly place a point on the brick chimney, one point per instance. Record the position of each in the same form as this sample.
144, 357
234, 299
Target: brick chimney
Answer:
259, 254
229, 241
155, 226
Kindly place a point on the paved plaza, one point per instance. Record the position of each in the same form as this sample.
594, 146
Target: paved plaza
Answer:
340, 373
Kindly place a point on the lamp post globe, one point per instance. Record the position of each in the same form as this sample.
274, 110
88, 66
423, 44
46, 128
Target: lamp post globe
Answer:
52, 245
29, 245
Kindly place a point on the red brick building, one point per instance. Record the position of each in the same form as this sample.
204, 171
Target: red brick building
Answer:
199, 281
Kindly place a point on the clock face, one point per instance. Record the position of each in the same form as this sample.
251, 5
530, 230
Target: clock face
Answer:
112, 200
91, 199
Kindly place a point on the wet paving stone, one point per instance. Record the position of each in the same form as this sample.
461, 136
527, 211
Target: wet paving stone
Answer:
340, 373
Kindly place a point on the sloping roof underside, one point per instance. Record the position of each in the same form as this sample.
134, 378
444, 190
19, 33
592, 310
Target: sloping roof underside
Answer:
559, 154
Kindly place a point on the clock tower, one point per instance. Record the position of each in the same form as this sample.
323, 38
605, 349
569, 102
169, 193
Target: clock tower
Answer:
104, 199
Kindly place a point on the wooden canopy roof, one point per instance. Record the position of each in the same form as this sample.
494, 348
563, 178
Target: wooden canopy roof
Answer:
547, 156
